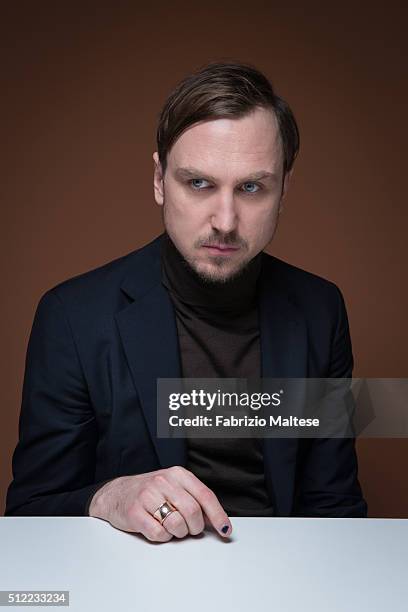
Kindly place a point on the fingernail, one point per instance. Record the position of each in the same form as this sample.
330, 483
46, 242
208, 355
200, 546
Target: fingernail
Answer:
225, 528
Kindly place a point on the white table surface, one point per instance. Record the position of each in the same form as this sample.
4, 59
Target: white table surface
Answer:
282, 564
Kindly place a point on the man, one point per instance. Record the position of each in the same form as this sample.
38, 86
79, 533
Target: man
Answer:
200, 300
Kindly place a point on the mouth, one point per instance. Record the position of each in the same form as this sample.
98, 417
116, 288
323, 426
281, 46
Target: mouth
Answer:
220, 249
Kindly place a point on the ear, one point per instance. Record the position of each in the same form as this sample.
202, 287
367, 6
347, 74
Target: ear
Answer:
158, 180
286, 183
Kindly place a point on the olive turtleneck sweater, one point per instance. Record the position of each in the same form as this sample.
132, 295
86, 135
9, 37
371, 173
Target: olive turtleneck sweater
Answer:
218, 332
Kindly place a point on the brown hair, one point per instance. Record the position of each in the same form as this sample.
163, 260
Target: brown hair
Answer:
221, 90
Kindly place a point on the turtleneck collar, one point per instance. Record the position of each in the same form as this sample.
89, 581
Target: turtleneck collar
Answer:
236, 295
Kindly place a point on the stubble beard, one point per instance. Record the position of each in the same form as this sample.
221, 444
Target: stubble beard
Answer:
218, 261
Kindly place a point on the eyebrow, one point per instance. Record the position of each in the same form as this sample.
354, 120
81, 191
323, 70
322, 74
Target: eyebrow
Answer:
190, 172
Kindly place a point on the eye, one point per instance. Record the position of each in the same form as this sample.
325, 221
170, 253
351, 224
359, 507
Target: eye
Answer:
197, 184
251, 187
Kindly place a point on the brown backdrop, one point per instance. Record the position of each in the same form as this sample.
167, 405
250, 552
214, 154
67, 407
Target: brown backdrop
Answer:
83, 87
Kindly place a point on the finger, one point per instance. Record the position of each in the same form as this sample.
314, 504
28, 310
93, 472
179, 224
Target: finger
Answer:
205, 497
152, 530
153, 497
186, 505
175, 524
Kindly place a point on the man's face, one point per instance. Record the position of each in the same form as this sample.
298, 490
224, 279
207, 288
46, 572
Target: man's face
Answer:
222, 190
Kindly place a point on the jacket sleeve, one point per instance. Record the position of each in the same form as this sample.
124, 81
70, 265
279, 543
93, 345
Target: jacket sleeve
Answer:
329, 485
54, 461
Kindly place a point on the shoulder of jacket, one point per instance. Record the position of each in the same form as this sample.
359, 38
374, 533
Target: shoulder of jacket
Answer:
102, 281
294, 276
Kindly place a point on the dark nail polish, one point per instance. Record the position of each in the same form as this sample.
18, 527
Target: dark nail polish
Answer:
225, 529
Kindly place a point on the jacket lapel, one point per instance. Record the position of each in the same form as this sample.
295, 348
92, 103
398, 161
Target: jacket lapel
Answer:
148, 332
283, 355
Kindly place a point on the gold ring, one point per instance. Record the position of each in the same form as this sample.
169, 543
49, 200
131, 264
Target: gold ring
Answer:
163, 511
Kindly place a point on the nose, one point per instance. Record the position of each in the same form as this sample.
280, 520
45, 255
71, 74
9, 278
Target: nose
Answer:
224, 215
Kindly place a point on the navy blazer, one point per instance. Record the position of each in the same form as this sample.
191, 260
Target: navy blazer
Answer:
101, 339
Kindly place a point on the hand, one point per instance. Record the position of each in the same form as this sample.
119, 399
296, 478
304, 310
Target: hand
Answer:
128, 503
